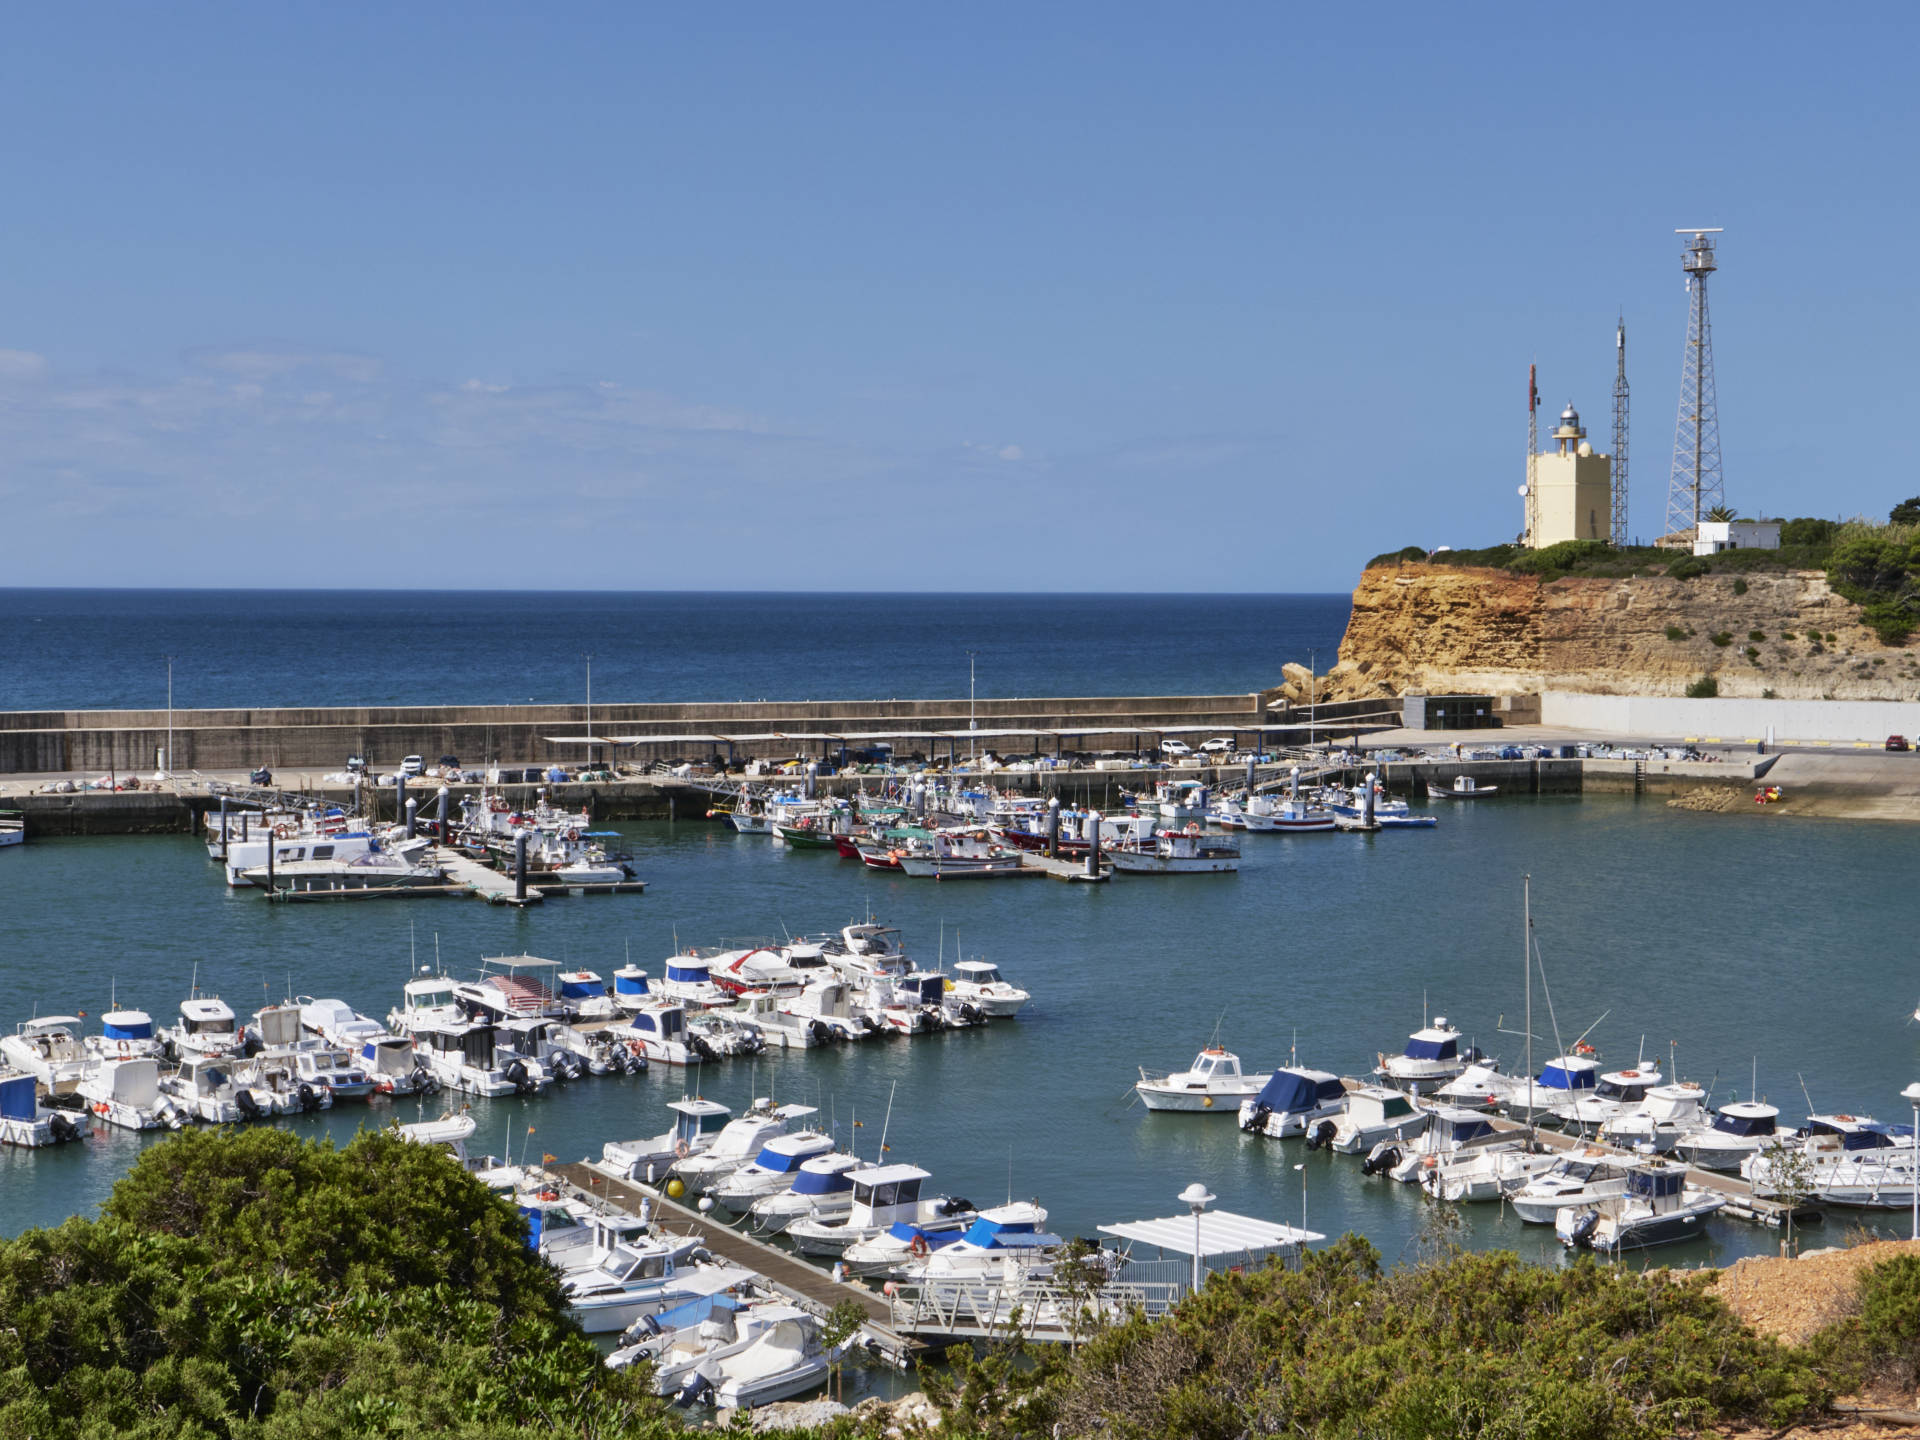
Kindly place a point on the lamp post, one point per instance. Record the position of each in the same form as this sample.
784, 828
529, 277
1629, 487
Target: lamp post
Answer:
972, 724
1302, 1168
587, 655
168, 767
1196, 1197
1313, 691
1912, 1096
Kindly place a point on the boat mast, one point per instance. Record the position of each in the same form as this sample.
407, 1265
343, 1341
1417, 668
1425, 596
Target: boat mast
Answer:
1526, 960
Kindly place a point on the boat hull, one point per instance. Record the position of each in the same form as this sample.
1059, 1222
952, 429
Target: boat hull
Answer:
1195, 1102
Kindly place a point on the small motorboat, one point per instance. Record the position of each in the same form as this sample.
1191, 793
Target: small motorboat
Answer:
1658, 1122
1374, 1113
1464, 787
1178, 852
1432, 1057
1292, 1102
640, 1279
1487, 1172
1449, 1131
1213, 1082
204, 1087
783, 1360
883, 1196
688, 1344
1739, 1130
1617, 1092
24, 1121
125, 1032
206, 1028
770, 1172
980, 984
1657, 1207
1571, 1182
1480, 1086
696, 1124
736, 1144
50, 1050
127, 1093
822, 1189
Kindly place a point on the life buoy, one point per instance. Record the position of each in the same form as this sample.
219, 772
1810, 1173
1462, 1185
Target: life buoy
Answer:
1430, 1162
125, 1048
918, 1248
680, 1149
571, 836
1629, 1074
282, 832
549, 1195
637, 1047
1193, 829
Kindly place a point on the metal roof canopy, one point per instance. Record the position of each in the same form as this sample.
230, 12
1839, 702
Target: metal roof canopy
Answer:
1221, 1233
633, 739
986, 734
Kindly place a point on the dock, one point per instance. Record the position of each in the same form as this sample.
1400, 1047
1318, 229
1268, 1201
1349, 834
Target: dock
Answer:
493, 886
1074, 871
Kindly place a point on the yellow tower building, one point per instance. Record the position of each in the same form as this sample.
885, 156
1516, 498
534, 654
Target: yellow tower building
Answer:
1572, 495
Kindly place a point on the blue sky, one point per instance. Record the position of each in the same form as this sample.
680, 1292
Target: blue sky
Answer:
995, 297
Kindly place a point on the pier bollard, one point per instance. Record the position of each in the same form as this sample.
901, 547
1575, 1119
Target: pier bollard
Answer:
399, 794
1367, 805
223, 827
520, 865
1053, 827
440, 821
271, 847
413, 808
1093, 842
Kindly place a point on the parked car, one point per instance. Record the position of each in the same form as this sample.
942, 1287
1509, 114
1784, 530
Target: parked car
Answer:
356, 764
1219, 745
412, 765
262, 776
1175, 748
1898, 742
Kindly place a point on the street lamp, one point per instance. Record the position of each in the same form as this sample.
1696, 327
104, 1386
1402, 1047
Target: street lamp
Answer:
1912, 1096
1303, 1205
1196, 1197
1313, 690
168, 767
972, 724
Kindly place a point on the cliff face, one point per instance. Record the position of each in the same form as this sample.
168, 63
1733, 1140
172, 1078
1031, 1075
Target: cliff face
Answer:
1448, 628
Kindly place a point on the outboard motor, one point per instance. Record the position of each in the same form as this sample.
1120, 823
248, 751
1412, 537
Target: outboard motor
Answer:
821, 1032
1257, 1121
701, 1046
63, 1126
1320, 1135
1382, 1157
1584, 1227
308, 1097
516, 1075
249, 1106
697, 1391
956, 1205
972, 1014
425, 1082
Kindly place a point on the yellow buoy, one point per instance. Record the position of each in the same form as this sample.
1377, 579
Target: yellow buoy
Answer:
1207, 1103
675, 1189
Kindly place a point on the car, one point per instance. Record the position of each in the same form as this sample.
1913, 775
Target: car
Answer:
1219, 745
1898, 742
356, 764
449, 762
1175, 748
412, 765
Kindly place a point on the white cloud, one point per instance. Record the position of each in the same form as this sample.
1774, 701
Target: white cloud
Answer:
22, 365
266, 364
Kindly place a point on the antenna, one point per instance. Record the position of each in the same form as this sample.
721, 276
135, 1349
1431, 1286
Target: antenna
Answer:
1532, 492
1617, 473
1698, 486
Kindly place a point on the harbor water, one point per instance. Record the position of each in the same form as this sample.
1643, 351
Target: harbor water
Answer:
1729, 938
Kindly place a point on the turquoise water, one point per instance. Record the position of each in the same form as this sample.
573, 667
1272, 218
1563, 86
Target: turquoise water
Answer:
1732, 936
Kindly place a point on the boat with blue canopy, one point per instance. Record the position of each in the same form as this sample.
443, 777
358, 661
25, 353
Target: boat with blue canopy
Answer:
1292, 1100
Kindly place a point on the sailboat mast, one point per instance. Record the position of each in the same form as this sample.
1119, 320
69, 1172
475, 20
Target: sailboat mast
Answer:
1526, 960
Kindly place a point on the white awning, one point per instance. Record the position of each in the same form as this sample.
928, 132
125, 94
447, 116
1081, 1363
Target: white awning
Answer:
634, 739
1221, 1233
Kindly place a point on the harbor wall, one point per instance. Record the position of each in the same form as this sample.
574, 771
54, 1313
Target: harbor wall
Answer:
1868, 721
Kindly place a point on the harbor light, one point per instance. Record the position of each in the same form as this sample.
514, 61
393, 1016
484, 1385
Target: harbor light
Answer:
1196, 1197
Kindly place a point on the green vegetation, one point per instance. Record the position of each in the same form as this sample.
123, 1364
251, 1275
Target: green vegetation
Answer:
256, 1285
1878, 568
1722, 638
1907, 512
1756, 634
1705, 688
1674, 632
1739, 584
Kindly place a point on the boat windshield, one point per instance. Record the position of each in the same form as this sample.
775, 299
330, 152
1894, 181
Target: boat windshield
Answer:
1728, 1124
432, 999
815, 1182
1395, 1107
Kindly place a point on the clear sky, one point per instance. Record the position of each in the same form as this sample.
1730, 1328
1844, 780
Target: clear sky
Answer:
904, 296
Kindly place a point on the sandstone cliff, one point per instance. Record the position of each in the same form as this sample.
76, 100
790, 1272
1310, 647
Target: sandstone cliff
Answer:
1450, 628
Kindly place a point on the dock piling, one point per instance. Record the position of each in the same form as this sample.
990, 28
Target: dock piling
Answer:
440, 816
413, 808
520, 867
1093, 842
1053, 828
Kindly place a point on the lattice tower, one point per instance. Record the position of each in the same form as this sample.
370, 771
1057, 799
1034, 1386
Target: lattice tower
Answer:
1697, 485
1618, 471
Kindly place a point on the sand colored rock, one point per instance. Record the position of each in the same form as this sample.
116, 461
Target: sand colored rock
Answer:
1481, 631
1792, 1300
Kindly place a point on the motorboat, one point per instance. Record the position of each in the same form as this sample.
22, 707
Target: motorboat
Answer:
1374, 1113
24, 1121
867, 948
448, 1135
526, 1041
1181, 800
1480, 1086
1561, 1080
959, 855
50, 1050
636, 1280
771, 1171
1448, 1131
784, 1359
1573, 1181
760, 967
1658, 1122
127, 1093
205, 1087
1178, 852
883, 1195
246, 861
601, 1051
784, 1029
426, 1001
690, 1346
271, 1081
725, 1033
980, 983
1657, 1207
1616, 1093
586, 995
401, 865
962, 1245
337, 1022
659, 1028
1432, 1057
1293, 1101
689, 980
822, 1189
1213, 1082
1738, 1131
736, 1144
325, 1066
466, 1057
512, 987
829, 1008
1855, 1146
910, 1004
1464, 787
206, 1027
631, 989
1485, 1172
125, 1032
696, 1124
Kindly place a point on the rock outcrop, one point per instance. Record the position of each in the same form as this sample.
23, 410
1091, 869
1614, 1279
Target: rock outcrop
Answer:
1445, 628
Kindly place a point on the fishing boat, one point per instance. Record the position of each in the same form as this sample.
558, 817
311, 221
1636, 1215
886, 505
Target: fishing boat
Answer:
659, 1029
1431, 1058
1449, 1131
980, 983
771, 1171
1180, 800
1617, 1092
125, 1032
127, 1093
736, 1144
1214, 1082
959, 855
1738, 1131
1464, 787
1178, 852
1487, 1172
1658, 1122
13, 828
205, 1088
824, 1010
1374, 1113
1657, 1207
822, 1189
427, 1000
696, 1124
883, 1195
24, 1121
1571, 1182
466, 1057
207, 1027
50, 1050
1292, 1101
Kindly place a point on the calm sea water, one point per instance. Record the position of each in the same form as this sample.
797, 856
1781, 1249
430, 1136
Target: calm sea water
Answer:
1731, 938
84, 649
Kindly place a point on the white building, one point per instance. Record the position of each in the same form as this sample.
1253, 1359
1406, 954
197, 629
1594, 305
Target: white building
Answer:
1713, 536
1572, 495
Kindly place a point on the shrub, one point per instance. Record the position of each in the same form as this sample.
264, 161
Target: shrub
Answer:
1722, 638
1674, 632
1740, 585
1689, 567
1756, 634
1907, 512
1768, 695
1786, 634
1398, 557
1808, 532
1753, 653
1556, 560
1705, 688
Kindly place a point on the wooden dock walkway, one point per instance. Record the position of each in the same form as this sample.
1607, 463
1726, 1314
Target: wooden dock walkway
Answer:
493, 886
1069, 870
805, 1284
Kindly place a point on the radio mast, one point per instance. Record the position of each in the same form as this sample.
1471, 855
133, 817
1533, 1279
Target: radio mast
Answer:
1619, 468
1697, 486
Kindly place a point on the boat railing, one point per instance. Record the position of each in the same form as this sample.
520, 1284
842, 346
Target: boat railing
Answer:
1033, 1309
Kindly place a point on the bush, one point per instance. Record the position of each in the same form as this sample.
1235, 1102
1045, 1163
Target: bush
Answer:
1808, 532
1558, 559
1740, 585
1689, 567
1907, 512
1756, 634
1674, 632
1398, 557
1753, 653
1705, 688
1722, 638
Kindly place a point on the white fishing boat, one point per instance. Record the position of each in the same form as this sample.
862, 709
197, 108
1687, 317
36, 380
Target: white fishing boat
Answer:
1293, 1101
50, 1050
1178, 852
965, 1245
1564, 1079
689, 980
909, 1004
823, 1189
1740, 1129
696, 1124
883, 1195
125, 1033
958, 855
1573, 1181
824, 1010
528, 1040
205, 1088
1480, 1086
331, 1068
980, 983
127, 1093
25, 1122
1464, 787
771, 1171
207, 1027
736, 1144
637, 1280
865, 949
1213, 1083
1657, 1207
1431, 1058
426, 1001
466, 1057
659, 1029
1449, 1131
1374, 1113
1658, 1122
1617, 1092
586, 995
1181, 800
1487, 1172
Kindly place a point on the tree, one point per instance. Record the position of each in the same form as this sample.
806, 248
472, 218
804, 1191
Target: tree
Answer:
1907, 512
1723, 512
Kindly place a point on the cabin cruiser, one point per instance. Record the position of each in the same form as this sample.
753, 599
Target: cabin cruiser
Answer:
1292, 1102
1848, 1159
127, 1093
1178, 852
1561, 1080
630, 989
760, 967
337, 1022
782, 1029
980, 984
24, 1121
206, 1028
245, 862
50, 1050
869, 949
125, 1032
1571, 1182
736, 1144
909, 1004
468, 1057
883, 1195
426, 1001
1739, 1130
696, 1124
205, 1088
636, 1280
1617, 1092
829, 1009
1658, 1122
822, 1189
659, 1028
1432, 1058
770, 1172
689, 980
1657, 1207
1213, 1082
1374, 1113
388, 1059
1449, 1131
324, 1066
513, 987
400, 865
1480, 1086
964, 1244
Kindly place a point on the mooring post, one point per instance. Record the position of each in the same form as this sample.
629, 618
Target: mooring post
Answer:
399, 794
440, 823
520, 865
223, 827
1367, 804
413, 807
1093, 843
1053, 827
